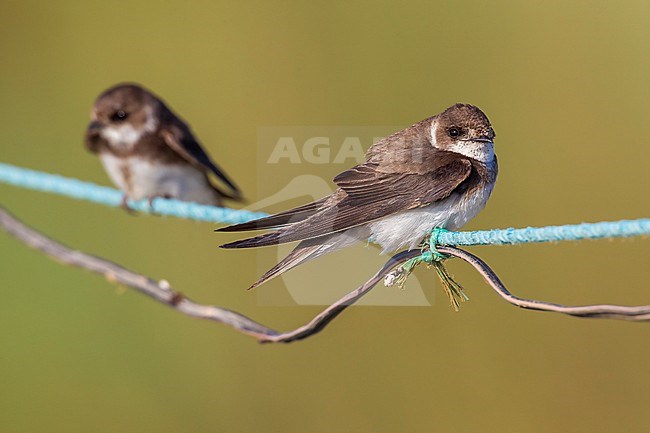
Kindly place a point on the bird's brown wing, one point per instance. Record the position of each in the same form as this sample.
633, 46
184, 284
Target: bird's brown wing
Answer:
179, 137
370, 194
280, 219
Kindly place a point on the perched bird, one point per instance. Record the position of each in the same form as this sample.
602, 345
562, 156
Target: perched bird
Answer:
148, 151
437, 173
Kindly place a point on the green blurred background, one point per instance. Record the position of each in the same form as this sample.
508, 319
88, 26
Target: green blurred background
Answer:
565, 85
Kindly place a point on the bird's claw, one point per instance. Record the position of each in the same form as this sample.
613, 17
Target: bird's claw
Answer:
124, 204
152, 198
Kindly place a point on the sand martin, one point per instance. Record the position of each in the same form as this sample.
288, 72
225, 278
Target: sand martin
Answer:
437, 173
148, 151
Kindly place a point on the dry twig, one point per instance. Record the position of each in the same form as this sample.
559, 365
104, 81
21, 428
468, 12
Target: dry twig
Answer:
161, 291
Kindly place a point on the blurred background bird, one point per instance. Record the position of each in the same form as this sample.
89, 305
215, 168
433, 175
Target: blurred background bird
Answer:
149, 152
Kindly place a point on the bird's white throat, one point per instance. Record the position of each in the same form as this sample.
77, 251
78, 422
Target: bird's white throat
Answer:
478, 150
122, 136
125, 135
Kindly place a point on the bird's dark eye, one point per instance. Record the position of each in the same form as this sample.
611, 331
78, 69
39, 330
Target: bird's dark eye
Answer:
119, 115
454, 132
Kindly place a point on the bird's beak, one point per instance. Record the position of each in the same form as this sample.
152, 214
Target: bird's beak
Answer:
487, 137
93, 128
482, 139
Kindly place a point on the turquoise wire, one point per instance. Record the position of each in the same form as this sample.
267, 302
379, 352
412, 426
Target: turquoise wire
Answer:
52, 183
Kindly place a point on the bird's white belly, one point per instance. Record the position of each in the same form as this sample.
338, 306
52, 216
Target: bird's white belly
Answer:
408, 228
141, 178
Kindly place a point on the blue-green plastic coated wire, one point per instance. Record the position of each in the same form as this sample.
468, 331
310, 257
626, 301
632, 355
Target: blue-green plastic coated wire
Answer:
80, 190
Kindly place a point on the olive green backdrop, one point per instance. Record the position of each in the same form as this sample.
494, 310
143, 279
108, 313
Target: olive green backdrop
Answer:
565, 85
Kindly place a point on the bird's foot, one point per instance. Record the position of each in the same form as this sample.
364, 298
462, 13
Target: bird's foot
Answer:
152, 198
124, 204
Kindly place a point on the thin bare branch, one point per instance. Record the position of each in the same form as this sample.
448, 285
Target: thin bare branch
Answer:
162, 292
602, 311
